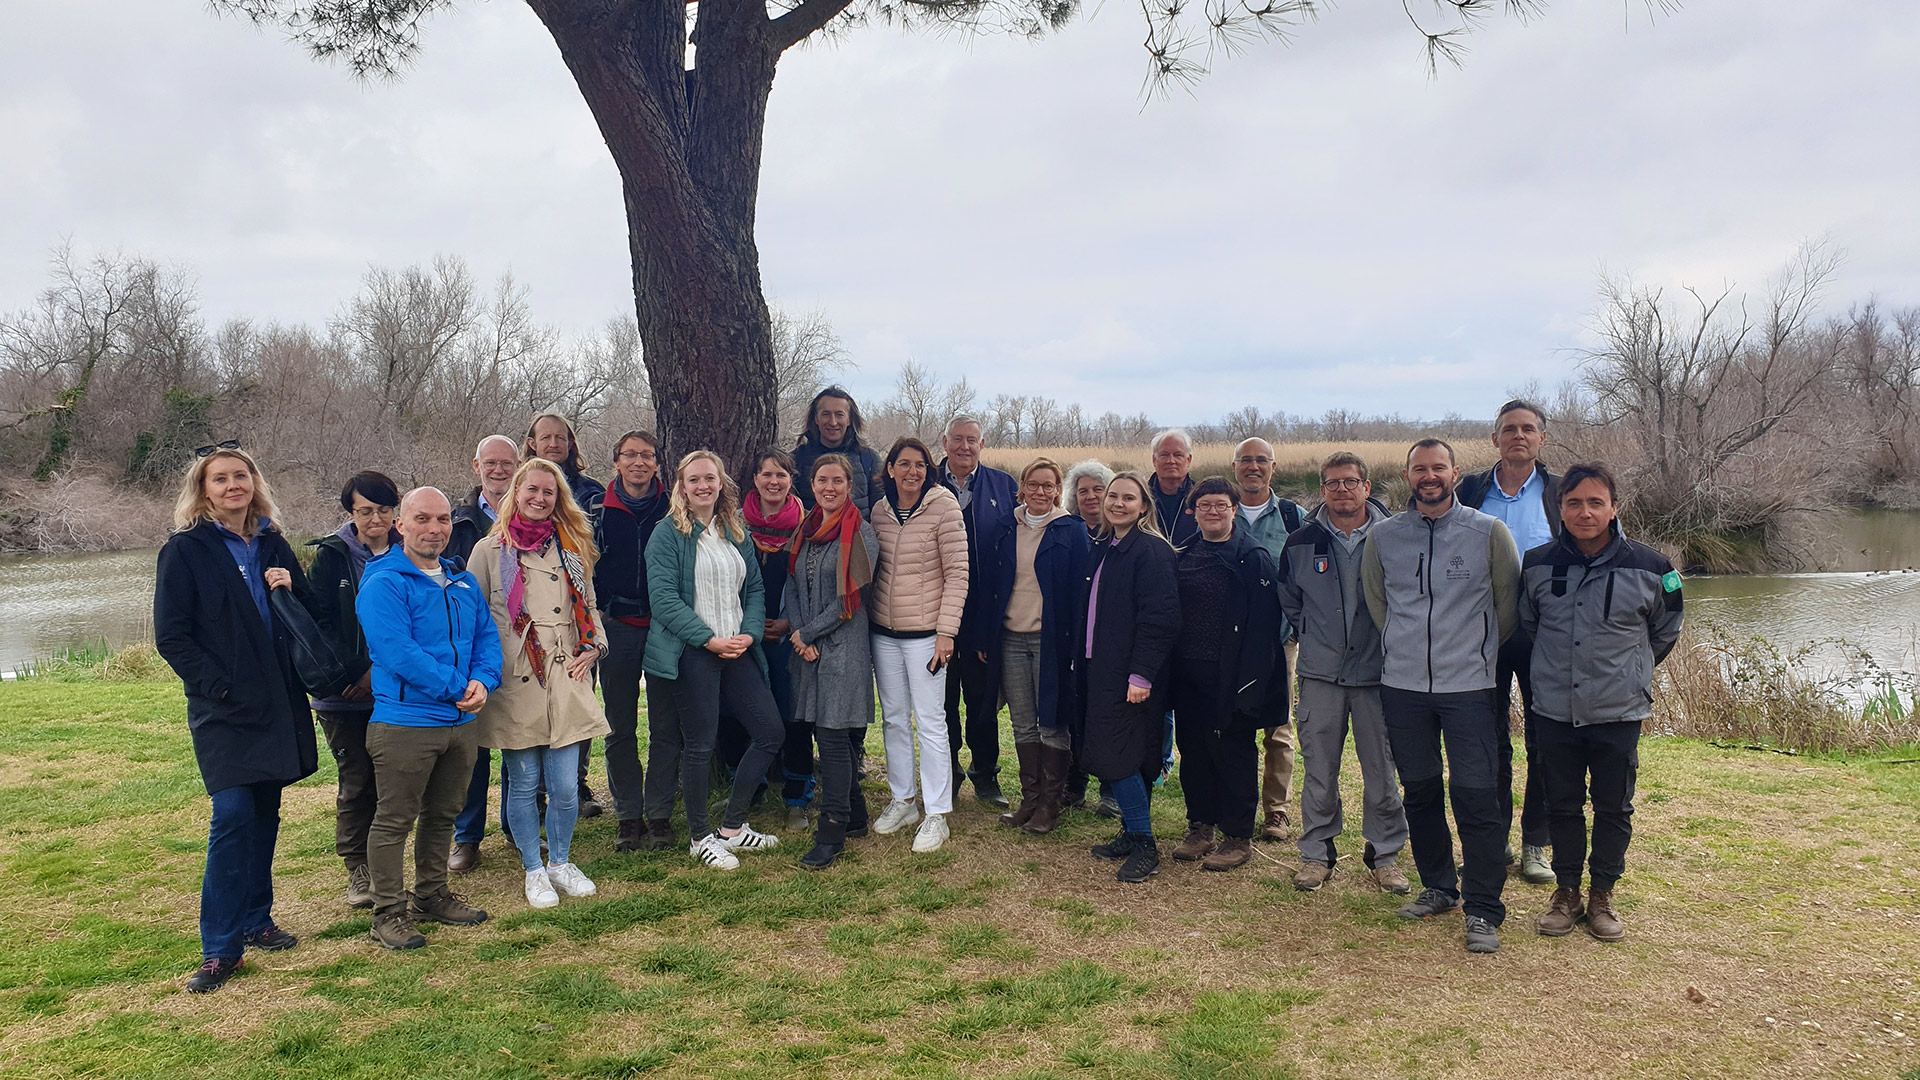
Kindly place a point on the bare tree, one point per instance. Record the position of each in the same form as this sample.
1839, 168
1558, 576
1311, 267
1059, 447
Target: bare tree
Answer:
806, 355
405, 325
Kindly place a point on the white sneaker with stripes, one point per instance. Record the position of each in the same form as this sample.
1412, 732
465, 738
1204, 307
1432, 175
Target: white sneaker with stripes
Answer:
709, 851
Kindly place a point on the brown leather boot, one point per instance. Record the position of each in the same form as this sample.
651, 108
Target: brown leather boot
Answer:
1563, 914
1233, 851
1055, 763
464, 858
1029, 757
632, 835
1198, 844
659, 836
1602, 923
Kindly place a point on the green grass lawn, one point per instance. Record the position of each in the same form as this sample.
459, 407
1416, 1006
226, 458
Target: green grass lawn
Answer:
1784, 892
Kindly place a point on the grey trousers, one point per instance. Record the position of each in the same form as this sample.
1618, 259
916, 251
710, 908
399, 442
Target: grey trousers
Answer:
1020, 686
1325, 711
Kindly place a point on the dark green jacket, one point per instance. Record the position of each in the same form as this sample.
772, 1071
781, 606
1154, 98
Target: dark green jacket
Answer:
676, 628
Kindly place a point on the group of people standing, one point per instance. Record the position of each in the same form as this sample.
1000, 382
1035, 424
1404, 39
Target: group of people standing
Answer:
1114, 615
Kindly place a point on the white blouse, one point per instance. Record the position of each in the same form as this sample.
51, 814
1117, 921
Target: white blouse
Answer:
719, 573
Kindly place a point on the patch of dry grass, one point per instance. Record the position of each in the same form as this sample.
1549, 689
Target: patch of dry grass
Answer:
1782, 891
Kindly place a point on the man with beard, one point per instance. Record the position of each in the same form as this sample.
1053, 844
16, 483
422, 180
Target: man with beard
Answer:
1442, 581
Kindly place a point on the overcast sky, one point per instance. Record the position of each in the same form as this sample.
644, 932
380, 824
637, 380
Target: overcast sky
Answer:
1317, 225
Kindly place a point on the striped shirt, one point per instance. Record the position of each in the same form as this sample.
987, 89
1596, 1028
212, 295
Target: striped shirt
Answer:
718, 575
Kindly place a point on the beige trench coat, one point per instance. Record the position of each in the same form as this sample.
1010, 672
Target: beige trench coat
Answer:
522, 714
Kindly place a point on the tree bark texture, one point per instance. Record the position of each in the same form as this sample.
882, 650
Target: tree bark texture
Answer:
687, 143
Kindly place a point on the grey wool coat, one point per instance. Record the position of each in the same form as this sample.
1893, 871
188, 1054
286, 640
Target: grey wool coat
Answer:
835, 691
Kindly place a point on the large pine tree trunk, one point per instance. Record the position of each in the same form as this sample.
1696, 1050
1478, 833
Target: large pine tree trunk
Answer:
687, 145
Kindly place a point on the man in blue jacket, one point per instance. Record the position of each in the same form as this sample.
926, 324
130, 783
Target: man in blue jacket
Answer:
988, 501
436, 657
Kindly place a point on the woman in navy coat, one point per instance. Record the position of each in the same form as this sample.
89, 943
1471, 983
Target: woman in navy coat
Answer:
252, 729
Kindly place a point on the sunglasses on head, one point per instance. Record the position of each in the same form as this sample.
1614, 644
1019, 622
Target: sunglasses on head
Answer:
203, 451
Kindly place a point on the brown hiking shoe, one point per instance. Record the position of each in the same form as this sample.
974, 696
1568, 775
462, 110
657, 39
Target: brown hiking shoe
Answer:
359, 886
1563, 914
1602, 923
659, 836
465, 858
631, 832
1233, 851
393, 928
1199, 843
445, 907
1312, 875
1275, 827
1390, 879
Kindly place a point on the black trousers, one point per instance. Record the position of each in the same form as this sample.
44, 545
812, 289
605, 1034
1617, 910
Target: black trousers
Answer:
357, 797
1601, 761
1219, 769
1418, 725
971, 680
836, 770
1516, 665
708, 684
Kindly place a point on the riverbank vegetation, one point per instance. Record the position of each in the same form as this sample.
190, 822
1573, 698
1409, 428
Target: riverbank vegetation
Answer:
1736, 420
1770, 903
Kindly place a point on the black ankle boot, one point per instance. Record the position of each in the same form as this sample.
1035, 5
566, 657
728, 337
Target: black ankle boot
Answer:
857, 820
829, 840
1118, 848
1143, 861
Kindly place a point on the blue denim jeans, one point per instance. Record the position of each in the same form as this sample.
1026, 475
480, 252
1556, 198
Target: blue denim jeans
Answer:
236, 895
471, 825
523, 772
1135, 795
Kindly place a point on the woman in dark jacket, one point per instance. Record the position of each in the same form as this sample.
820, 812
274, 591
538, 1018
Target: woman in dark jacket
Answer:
1229, 676
1128, 615
370, 498
252, 731
1034, 576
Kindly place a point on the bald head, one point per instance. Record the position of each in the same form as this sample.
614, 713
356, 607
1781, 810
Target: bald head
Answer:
424, 522
1253, 471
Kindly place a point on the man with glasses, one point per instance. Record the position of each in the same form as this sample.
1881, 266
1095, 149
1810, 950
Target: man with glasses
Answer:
1269, 519
1339, 651
622, 524
494, 462
1526, 497
988, 501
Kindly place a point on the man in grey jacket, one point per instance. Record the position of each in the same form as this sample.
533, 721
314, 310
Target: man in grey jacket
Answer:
1339, 668
1602, 611
1441, 582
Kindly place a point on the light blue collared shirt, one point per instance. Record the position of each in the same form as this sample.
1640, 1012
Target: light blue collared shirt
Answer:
1524, 514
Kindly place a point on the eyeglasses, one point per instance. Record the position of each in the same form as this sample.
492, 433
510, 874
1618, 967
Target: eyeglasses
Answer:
204, 451
1042, 486
1253, 461
637, 455
1344, 483
370, 512
1170, 455
1213, 507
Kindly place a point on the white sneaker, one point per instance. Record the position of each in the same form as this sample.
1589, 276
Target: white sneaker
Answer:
711, 852
567, 878
540, 889
748, 840
933, 833
899, 814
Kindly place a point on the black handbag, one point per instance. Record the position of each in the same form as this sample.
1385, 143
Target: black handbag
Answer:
320, 669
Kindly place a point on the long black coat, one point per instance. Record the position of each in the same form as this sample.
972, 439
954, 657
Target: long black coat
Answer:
245, 706
1133, 634
1253, 688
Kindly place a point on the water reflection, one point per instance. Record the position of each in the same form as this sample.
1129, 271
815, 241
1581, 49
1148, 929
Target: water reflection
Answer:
52, 603
1878, 612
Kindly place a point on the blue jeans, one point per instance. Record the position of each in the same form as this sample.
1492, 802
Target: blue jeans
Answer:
236, 895
524, 769
1134, 794
471, 825
1166, 744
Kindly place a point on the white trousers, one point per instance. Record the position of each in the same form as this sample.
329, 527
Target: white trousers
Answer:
911, 698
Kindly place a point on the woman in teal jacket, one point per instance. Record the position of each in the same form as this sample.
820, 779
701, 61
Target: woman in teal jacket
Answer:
709, 612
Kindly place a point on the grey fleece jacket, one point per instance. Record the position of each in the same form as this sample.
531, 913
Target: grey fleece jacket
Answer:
1321, 595
1444, 592
1599, 625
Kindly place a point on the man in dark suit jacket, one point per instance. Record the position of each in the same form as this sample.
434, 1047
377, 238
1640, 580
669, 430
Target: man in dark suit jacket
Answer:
1522, 493
988, 502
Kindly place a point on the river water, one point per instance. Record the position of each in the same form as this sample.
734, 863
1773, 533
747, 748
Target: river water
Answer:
1865, 589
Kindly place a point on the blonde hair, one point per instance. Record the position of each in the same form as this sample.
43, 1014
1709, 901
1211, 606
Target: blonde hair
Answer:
192, 507
726, 509
568, 519
1059, 476
1149, 522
